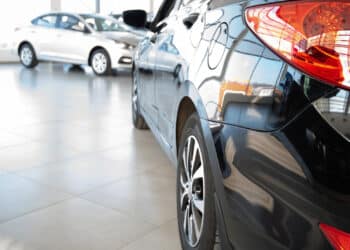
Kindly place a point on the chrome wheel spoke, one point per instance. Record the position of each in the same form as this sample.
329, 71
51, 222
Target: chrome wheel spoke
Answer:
191, 188
184, 197
186, 219
196, 221
198, 173
194, 157
185, 162
184, 184
198, 205
190, 230
188, 149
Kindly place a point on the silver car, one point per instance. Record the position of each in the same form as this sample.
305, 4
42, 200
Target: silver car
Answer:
75, 39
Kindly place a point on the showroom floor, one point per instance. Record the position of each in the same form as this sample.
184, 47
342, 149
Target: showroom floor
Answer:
74, 174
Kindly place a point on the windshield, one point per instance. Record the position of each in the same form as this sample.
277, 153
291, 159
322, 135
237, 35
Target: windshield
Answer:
101, 24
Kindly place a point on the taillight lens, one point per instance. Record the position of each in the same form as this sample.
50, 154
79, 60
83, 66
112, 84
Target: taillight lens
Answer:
313, 36
338, 239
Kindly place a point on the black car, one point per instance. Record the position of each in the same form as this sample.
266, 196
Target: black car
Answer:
251, 101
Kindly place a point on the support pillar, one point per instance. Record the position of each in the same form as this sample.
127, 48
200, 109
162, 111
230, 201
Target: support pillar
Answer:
97, 6
55, 5
151, 6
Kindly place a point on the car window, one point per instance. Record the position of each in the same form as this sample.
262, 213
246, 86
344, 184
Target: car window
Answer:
103, 24
48, 21
71, 23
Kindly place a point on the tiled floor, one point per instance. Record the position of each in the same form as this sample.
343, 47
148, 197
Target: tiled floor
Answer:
74, 174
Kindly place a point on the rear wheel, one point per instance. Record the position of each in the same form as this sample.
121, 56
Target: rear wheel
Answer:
195, 190
138, 120
27, 56
101, 63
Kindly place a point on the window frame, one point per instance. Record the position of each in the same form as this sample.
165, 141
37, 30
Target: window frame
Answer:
36, 20
59, 21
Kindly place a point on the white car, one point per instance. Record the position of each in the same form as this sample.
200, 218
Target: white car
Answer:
75, 39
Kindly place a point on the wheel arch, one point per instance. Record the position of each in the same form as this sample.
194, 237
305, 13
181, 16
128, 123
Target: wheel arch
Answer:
23, 43
186, 109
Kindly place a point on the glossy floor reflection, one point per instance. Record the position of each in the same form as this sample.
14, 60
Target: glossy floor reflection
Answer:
74, 174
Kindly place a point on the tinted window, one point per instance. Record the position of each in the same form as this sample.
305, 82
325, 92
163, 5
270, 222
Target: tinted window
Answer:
46, 21
71, 23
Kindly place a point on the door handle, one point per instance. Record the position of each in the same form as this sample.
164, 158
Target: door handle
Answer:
190, 20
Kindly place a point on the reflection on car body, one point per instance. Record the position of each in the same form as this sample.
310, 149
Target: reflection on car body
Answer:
257, 138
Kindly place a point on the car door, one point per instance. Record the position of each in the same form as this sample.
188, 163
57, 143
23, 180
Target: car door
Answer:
167, 80
72, 42
43, 35
146, 65
176, 49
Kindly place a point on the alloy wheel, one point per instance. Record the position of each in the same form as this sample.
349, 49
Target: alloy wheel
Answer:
99, 63
134, 94
26, 56
192, 191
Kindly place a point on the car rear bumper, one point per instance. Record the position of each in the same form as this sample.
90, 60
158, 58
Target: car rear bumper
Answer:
275, 194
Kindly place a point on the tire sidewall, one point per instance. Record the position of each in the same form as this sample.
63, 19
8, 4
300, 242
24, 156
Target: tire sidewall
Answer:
137, 118
207, 238
135, 113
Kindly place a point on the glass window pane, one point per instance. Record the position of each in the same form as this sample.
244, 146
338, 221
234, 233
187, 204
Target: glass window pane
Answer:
71, 23
47, 21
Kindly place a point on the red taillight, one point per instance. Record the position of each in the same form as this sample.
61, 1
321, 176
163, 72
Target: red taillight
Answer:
313, 36
338, 239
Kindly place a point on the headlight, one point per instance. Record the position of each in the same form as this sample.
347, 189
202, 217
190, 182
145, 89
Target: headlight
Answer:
125, 46
121, 45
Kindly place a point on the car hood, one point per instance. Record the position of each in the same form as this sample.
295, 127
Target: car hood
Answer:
124, 37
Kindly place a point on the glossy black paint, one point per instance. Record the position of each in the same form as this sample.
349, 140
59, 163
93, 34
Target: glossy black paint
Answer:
278, 140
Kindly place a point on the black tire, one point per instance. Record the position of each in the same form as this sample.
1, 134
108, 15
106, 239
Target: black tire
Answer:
137, 118
206, 239
27, 56
101, 62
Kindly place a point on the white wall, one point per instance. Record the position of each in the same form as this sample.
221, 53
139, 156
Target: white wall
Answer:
115, 6
15, 13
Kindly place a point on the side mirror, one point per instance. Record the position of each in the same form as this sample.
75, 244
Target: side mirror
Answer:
135, 18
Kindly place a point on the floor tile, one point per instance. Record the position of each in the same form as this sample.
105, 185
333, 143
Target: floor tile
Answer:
160, 239
74, 173
144, 196
19, 196
32, 154
73, 225
81, 174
